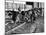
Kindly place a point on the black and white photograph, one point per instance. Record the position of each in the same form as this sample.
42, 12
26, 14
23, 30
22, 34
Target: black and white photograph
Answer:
23, 17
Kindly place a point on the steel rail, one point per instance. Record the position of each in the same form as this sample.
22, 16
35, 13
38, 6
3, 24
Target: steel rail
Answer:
15, 28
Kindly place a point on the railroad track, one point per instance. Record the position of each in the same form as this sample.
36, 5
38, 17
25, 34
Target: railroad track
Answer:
15, 28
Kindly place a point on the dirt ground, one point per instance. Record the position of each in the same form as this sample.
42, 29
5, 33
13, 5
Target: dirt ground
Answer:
37, 27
